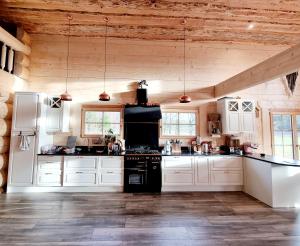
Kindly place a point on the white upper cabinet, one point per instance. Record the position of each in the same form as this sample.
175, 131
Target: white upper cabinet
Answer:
237, 115
25, 111
58, 115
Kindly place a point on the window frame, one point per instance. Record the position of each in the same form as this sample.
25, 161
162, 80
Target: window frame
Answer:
180, 110
98, 108
293, 114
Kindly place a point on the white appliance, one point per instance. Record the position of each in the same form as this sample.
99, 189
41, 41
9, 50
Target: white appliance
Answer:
29, 120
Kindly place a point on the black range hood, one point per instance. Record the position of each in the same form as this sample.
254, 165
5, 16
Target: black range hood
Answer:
142, 113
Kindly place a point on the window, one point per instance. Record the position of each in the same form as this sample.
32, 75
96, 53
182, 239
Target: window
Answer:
286, 135
98, 122
179, 124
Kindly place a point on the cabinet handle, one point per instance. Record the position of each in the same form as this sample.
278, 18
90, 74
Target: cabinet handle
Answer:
79, 172
110, 172
48, 173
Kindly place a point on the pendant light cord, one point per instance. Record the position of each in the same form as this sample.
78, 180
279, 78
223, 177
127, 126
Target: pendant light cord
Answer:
105, 48
184, 60
68, 54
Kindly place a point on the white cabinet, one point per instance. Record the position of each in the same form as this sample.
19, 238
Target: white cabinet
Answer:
21, 163
226, 171
177, 170
111, 171
237, 115
25, 111
111, 177
205, 173
80, 171
49, 171
201, 170
58, 115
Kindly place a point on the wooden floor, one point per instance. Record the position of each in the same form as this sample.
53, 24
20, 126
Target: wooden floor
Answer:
229, 218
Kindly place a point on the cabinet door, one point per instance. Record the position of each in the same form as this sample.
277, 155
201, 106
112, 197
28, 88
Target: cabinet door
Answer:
49, 178
53, 119
25, 112
21, 162
49, 163
202, 170
81, 162
177, 162
178, 178
111, 177
233, 122
248, 122
226, 163
80, 178
111, 162
227, 177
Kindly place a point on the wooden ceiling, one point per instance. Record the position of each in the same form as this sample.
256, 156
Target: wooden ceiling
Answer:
275, 21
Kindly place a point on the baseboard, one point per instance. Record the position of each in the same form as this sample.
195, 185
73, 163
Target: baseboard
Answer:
15, 189
203, 188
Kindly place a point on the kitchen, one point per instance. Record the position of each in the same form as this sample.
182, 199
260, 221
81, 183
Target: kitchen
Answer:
139, 77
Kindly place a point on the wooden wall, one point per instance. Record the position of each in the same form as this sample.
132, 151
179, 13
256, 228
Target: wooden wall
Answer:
160, 63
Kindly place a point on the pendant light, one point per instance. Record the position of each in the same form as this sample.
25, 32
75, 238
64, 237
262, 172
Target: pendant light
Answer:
104, 96
66, 96
184, 98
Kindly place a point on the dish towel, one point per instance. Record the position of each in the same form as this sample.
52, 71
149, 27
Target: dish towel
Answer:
24, 143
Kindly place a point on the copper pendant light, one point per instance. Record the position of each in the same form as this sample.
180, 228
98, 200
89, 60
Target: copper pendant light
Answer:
66, 96
104, 96
184, 98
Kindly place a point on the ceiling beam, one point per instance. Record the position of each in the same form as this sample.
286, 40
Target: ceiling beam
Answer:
277, 66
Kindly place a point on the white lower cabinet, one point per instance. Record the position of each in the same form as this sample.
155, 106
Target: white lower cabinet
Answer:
178, 177
49, 171
80, 170
80, 178
202, 173
177, 170
226, 170
226, 177
111, 177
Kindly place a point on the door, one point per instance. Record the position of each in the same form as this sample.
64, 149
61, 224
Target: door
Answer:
25, 112
297, 136
21, 162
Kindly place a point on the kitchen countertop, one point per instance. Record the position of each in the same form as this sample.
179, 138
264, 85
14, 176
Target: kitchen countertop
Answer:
274, 160
83, 154
267, 158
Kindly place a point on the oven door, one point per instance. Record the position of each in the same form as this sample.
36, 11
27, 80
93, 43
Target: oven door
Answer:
135, 180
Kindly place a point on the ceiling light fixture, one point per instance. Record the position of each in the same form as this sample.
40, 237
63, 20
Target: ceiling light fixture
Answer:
251, 25
184, 98
104, 96
66, 96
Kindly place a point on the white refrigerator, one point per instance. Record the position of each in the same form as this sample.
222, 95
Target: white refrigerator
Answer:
29, 119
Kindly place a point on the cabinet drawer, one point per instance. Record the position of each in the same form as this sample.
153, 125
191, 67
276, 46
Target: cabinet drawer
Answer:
111, 162
49, 179
80, 179
178, 178
234, 163
112, 177
227, 177
177, 162
44, 166
81, 162
49, 159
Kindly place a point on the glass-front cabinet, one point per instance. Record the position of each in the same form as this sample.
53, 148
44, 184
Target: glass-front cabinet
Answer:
237, 115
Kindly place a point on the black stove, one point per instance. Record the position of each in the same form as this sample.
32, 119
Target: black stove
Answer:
142, 171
